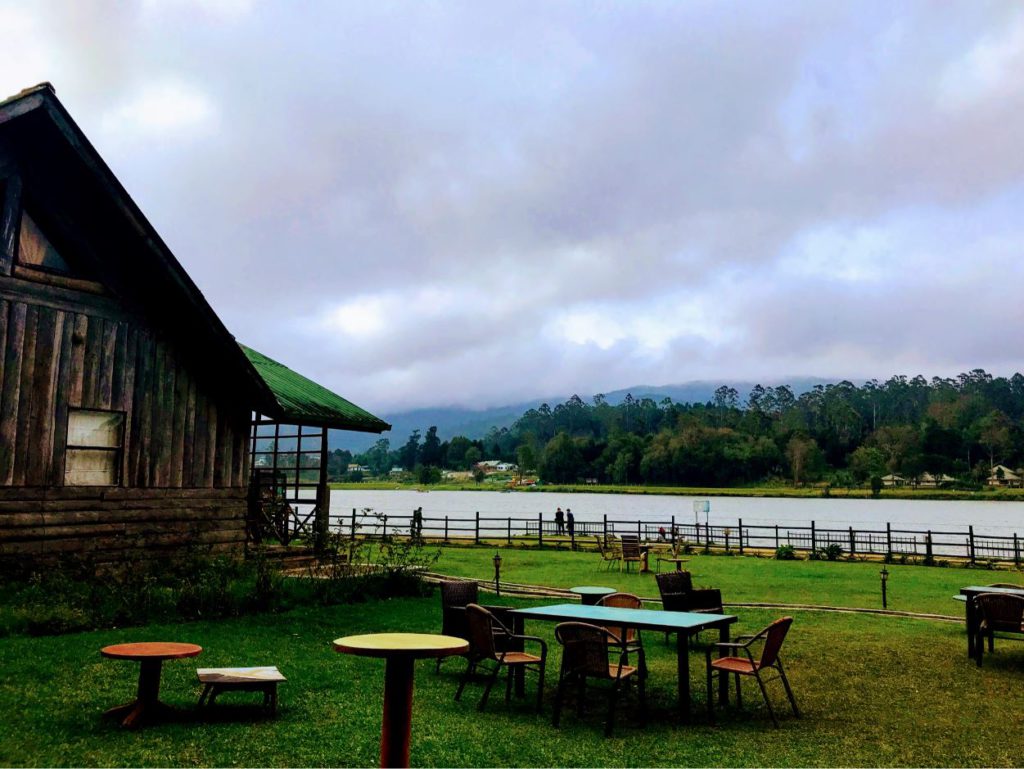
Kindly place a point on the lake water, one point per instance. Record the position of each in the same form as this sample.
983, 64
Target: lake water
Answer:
995, 518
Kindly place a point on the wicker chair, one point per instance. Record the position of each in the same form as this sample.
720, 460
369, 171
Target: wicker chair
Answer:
1000, 613
585, 655
772, 636
679, 594
488, 642
628, 638
610, 555
456, 595
631, 552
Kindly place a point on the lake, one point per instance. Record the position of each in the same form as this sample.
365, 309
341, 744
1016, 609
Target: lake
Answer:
996, 518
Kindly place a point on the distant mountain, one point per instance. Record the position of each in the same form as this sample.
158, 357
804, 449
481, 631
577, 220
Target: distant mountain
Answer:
475, 423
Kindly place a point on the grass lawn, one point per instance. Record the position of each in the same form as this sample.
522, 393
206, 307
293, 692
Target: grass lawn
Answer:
874, 690
742, 579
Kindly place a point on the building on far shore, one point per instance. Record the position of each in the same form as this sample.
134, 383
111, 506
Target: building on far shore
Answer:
1001, 475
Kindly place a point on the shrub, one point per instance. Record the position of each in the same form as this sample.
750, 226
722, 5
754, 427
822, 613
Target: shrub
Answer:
785, 553
832, 552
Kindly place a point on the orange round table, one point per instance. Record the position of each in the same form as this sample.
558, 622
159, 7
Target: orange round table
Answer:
399, 650
150, 656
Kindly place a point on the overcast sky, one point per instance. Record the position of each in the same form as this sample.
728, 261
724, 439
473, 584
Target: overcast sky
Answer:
434, 203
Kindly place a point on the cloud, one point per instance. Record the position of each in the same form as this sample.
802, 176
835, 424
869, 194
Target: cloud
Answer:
474, 203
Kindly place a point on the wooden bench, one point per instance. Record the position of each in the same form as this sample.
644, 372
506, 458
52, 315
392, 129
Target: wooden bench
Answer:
257, 679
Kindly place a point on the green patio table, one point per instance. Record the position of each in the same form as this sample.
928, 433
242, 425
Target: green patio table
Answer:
683, 624
591, 594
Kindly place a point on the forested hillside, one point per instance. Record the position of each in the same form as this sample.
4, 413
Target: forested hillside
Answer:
959, 427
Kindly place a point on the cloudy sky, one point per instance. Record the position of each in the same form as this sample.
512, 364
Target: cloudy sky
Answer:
434, 203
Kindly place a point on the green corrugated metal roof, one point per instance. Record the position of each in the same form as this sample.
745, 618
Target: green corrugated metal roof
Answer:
303, 401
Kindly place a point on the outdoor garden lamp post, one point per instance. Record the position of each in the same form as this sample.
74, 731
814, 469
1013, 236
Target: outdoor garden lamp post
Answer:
884, 574
497, 573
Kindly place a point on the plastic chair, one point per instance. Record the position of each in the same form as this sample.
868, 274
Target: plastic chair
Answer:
585, 655
484, 631
772, 636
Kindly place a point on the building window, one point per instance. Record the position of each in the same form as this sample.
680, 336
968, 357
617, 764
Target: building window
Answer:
95, 443
36, 250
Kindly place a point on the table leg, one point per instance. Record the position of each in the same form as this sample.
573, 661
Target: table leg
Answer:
518, 627
723, 679
683, 665
147, 703
397, 720
972, 625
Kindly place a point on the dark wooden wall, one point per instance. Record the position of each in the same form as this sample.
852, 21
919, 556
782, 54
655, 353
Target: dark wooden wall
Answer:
185, 461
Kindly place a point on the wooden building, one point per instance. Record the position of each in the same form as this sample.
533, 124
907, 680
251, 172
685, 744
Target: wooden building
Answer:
128, 413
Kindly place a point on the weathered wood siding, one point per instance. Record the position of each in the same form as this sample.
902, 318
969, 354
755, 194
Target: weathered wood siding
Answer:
184, 467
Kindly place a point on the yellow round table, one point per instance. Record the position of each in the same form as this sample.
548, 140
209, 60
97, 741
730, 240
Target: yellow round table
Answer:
399, 651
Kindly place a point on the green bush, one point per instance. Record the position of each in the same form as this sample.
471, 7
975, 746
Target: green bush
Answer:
785, 553
832, 552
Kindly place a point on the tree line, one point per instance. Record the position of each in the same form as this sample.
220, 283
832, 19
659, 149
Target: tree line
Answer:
960, 427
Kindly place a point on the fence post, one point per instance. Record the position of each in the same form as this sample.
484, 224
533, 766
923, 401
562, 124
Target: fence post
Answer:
853, 543
605, 529
639, 537
673, 531
814, 538
384, 530
970, 542
540, 529
353, 523
776, 536
707, 537
476, 531
928, 548
741, 536
510, 529
888, 541
727, 539
572, 536
1016, 550
446, 529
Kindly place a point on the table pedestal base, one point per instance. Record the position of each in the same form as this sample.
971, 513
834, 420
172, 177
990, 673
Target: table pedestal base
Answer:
147, 706
397, 720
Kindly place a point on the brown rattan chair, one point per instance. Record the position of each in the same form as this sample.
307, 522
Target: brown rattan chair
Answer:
1000, 613
628, 638
489, 641
456, 595
772, 636
585, 654
610, 555
631, 552
679, 594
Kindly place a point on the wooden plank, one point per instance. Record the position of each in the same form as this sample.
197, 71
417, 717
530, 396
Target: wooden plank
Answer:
177, 454
199, 443
125, 400
93, 361
144, 389
23, 439
105, 388
225, 443
4, 308
60, 420
238, 448
10, 221
211, 443
16, 289
11, 390
163, 417
41, 420
76, 372
188, 449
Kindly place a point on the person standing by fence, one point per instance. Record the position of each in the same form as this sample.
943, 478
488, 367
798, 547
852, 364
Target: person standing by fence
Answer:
559, 522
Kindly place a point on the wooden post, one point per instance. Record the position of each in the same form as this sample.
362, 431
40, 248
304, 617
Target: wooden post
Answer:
673, 531
384, 531
639, 537
540, 529
727, 540
572, 536
776, 536
510, 530
853, 543
888, 541
1016, 550
814, 539
606, 529
707, 537
476, 530
740, 528
928, 548
353, 523
322, 524
446, 529
970, 542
